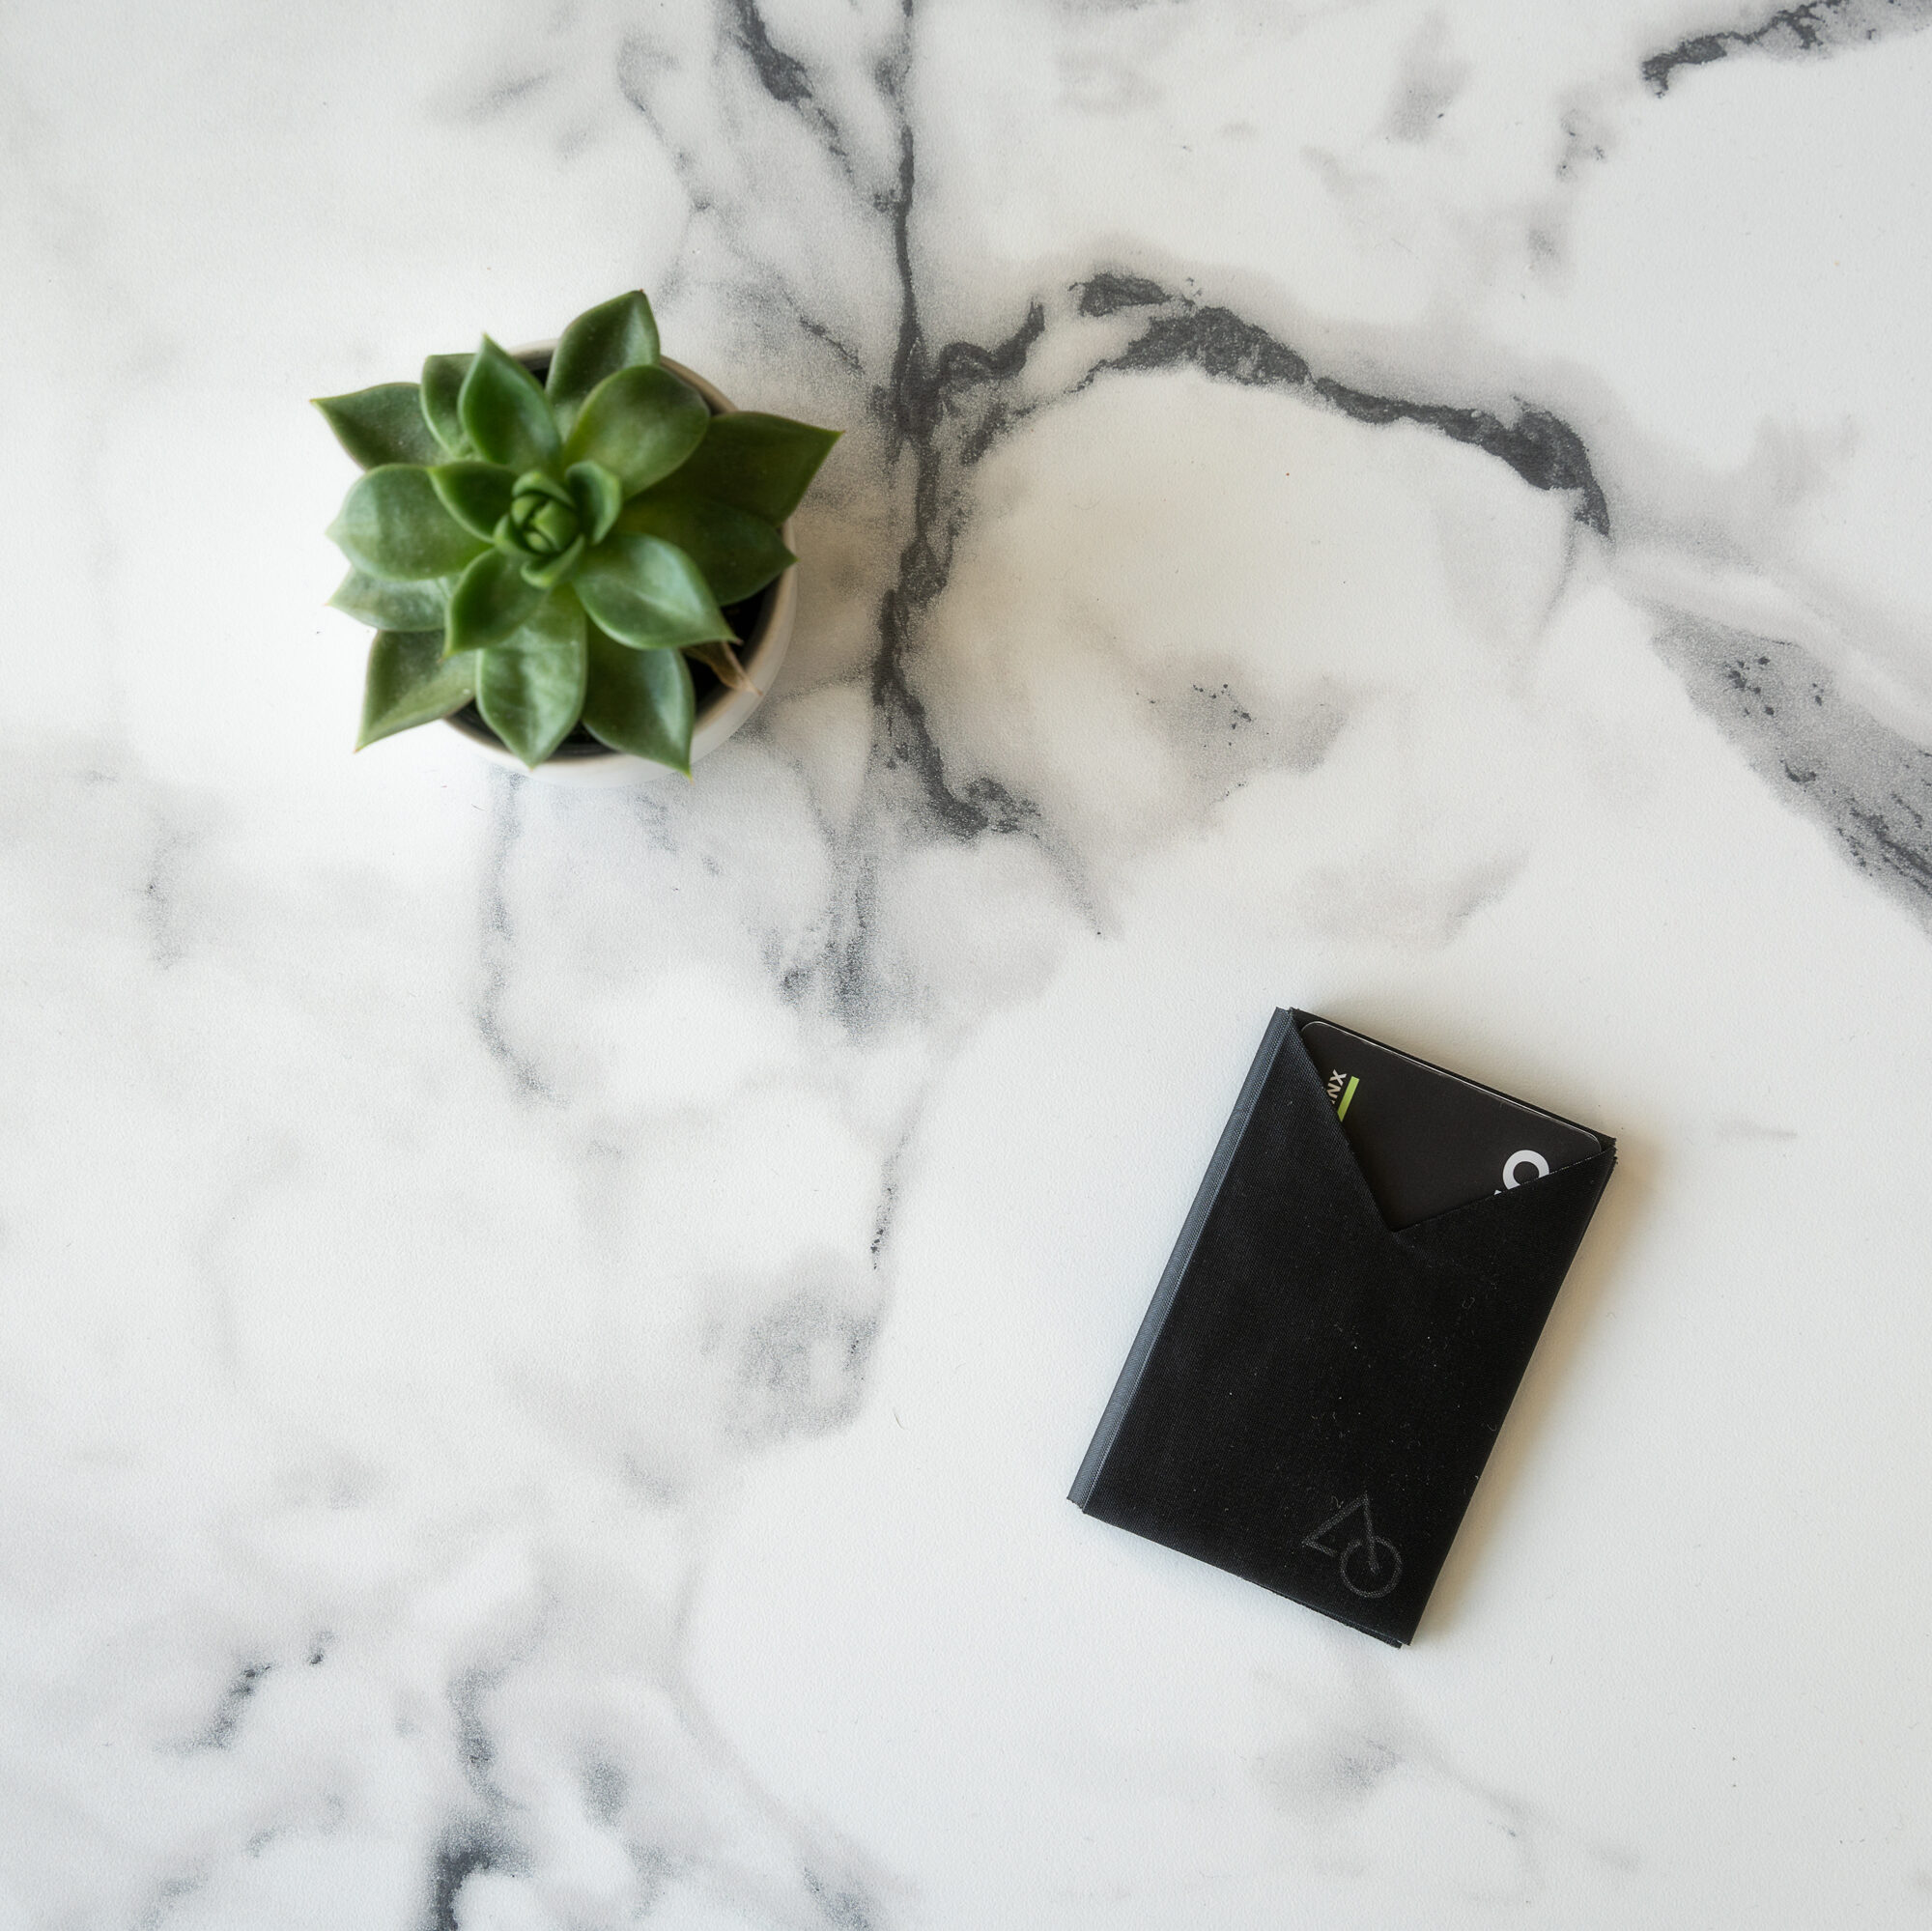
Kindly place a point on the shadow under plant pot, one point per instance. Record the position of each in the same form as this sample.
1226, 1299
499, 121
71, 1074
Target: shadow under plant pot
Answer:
763, 621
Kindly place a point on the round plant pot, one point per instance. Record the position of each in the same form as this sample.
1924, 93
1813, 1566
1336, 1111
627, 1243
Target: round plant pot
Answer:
764, 621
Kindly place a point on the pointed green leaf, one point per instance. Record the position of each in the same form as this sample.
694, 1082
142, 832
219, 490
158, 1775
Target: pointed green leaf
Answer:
640, 701
503, 410
392, 524
441, 387
381, 425
756, 463
490, 602
384, 606
619, 334
410, 683
477, 494
640, 424
724, 662
549, 575
541, 483
552, 529
531, 687
648, 593
739, 553
598, 495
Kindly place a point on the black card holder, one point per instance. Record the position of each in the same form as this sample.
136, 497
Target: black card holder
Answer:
1312, 1394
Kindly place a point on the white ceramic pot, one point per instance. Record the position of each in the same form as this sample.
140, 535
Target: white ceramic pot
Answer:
720, 712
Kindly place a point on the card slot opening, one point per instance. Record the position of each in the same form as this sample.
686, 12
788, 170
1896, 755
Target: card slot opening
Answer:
1313, 1092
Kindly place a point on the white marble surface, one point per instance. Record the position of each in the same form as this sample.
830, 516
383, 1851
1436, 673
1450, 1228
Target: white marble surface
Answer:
543, 1337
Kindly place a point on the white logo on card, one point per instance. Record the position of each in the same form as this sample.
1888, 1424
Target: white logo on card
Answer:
1529, 1157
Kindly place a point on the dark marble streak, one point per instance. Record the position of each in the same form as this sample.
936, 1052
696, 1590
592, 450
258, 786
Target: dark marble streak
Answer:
843, 1905
475, 1840
496, 941
1869, 786
939, 408
1817, 27
1542, 448
222, 1728
459, 1859
783, 77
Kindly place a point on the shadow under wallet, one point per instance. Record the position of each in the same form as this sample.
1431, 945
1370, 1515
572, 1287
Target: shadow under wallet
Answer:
1312, 1394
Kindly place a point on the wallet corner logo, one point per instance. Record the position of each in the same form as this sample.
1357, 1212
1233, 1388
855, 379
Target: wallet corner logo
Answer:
1368, 1564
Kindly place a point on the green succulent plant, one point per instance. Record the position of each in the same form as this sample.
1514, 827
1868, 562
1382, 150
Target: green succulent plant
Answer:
556, 552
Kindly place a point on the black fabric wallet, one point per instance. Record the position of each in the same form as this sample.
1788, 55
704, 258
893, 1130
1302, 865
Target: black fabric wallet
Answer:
1313, 1395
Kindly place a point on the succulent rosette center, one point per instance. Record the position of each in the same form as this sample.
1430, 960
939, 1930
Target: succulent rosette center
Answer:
544, 521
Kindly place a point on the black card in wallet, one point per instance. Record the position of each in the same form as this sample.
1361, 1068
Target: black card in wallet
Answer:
1313, 1393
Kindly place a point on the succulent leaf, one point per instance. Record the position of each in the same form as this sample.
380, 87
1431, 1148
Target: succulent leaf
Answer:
442, 389
548, 576
640, 424
477, 494
647, 593
490, 602
598, 495
531, 687
553, 528
541, 483
393, 524
410, 683
386, 606
758, 463
619, 334
724, 660
642, 701
739, 553
503, 410
381, 425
